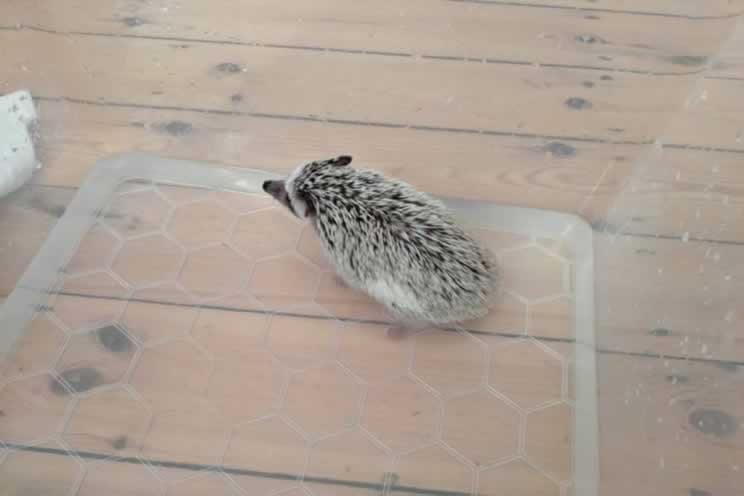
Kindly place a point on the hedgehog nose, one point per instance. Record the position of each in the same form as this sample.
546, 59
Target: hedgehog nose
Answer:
266, 186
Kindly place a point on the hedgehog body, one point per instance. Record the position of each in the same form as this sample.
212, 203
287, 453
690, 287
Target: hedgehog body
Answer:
395, 243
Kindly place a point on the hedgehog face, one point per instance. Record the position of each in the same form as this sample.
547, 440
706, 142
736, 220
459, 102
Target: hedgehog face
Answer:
278, 190
292, 192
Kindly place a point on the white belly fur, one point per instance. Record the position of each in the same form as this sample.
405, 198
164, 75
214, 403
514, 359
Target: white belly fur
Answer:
389, 292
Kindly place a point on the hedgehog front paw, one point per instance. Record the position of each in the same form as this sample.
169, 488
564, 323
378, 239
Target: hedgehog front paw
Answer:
398, 333
339, 281
405, 330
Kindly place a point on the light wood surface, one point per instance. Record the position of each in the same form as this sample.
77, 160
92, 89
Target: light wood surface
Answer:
730, 63
477, 30
697, 9
699, 322
346, 86
669, 415
573, 94
585, 178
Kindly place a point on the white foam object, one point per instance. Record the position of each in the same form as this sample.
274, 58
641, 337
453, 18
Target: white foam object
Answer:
17, 155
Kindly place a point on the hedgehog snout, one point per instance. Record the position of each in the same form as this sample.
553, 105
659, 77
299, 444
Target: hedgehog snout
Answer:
275, 188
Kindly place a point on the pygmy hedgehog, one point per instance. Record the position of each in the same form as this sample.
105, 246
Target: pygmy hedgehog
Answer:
399, 245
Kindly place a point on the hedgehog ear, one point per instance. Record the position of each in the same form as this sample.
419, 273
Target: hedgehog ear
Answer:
341, 160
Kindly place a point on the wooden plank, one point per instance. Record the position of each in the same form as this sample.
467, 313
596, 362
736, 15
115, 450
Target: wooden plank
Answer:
651, 294
694, 8
287, 284
309, 84
439, 93
670, 427
26, 218
507, 32
680, 209
20, 472
194, 400
678, 192
627, 328
586, 178
657, 417
659, 9
711, 117
729, 62
654, 295
669, 297
528, 171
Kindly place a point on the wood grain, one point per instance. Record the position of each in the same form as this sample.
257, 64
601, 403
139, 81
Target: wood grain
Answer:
657, 417
695, 8
729, 62
20, 473
26, 218
712, 116
498, 32
542, 172
677, 192
669, 426
650, 192
668, 297
654, 295
310, 84
635, 315
174, 408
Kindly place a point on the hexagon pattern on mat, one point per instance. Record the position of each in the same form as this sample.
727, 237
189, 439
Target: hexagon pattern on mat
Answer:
205, 335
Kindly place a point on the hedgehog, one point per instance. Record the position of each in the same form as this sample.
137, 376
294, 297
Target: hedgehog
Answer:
399, 245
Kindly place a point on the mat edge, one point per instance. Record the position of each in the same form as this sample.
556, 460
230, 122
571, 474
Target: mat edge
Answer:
21, 304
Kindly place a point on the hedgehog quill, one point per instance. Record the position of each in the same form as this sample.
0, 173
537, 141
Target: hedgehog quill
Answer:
397, 244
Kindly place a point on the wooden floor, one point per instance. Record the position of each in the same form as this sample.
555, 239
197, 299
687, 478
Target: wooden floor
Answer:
627, 112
